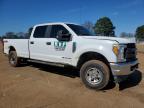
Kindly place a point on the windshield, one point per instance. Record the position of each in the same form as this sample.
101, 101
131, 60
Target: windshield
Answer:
80, 30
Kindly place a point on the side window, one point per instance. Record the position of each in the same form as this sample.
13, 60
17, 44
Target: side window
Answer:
40, 32
55, 29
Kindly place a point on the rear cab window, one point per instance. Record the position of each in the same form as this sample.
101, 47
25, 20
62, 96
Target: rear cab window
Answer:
42, 31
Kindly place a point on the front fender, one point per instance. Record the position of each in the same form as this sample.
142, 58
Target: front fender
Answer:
107, 53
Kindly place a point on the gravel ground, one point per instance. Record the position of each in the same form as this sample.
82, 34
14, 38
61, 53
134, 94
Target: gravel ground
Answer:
43, 86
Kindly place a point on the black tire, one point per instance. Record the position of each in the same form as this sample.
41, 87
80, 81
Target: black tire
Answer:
13, 59
95, 74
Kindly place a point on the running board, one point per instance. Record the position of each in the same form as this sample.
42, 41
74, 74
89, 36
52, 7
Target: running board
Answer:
47, 63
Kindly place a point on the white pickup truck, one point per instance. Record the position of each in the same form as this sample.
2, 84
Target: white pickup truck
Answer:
98, 58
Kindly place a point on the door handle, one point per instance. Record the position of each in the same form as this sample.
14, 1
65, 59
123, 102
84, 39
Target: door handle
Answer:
32, 42
48, 43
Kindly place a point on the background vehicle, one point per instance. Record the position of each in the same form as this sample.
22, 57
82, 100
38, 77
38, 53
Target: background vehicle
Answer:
97, 58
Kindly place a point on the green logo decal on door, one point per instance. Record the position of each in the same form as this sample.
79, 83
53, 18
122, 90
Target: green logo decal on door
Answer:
59, 46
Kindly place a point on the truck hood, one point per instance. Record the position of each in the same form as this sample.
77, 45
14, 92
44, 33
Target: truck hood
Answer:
117, 39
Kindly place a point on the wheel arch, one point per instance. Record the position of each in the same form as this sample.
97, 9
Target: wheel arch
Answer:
90, 55
11, 48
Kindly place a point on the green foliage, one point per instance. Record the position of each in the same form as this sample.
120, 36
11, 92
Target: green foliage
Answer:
104, 27
140, 32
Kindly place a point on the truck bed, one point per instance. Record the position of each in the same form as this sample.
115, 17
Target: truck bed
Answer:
20, 44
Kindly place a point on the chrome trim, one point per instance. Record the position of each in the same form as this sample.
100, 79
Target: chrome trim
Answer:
122, 68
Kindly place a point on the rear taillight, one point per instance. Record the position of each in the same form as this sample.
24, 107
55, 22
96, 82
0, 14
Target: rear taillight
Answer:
4, 41
2, 45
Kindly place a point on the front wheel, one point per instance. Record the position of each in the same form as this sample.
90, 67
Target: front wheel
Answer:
95, 74
13, 59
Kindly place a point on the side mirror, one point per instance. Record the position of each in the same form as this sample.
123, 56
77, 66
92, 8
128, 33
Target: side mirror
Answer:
63, 36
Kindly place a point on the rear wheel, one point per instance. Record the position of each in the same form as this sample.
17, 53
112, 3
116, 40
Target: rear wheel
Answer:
13, 59
95, 74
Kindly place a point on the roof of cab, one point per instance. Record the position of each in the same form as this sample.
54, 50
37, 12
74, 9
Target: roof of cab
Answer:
55, 23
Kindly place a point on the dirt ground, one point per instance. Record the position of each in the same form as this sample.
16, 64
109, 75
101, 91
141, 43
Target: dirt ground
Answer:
42, 86
140, 47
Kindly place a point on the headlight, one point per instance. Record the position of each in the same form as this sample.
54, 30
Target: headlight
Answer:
118, 50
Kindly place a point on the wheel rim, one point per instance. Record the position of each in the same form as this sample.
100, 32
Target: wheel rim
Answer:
12, 59
94, 76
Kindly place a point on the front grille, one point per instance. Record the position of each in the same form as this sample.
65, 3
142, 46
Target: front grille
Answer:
130, 52
131, 45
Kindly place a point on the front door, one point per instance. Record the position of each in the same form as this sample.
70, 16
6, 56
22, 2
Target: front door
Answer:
38, 44
60, 51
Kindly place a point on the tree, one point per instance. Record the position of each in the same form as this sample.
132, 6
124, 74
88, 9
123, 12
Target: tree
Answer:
89, 25
0, 38
104, 27
123, 35
126, 35
140, 32
13, 35
20, 35
10, 35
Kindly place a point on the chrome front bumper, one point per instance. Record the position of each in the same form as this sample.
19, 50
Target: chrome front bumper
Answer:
122, 69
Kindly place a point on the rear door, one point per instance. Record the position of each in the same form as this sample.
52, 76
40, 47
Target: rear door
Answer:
38, 44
